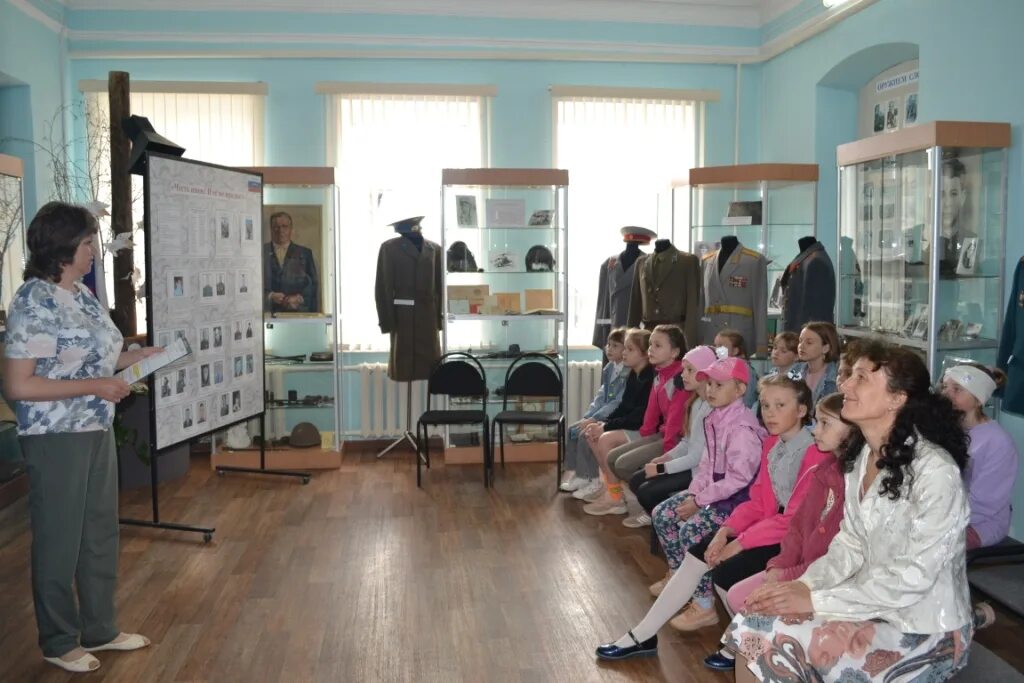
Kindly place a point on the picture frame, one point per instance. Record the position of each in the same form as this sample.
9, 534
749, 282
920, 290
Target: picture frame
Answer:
465, 211
879, 119
968, 261
506, 213
910, 109
504, 261
293, 286
892, 115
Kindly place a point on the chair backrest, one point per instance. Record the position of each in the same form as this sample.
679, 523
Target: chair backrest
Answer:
533, 374
458, 374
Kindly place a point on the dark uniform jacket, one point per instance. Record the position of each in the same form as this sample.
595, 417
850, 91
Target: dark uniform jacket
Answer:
614, 288
810, 289
1011, 346
408, 294
297, 275
671, 299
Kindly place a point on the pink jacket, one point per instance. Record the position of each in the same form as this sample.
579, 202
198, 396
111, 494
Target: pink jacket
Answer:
815, 523
757, 521
666, 407
732, 443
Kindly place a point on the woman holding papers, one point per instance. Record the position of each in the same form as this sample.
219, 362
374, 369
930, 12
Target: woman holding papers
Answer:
62, 350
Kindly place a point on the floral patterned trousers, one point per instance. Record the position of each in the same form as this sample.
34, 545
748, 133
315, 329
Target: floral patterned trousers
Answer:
679, 535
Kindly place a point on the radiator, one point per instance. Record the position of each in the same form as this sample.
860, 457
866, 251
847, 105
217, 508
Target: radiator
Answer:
582, 383
383, 402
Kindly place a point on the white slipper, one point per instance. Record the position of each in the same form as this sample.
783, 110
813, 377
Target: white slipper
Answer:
82, 665
134, 641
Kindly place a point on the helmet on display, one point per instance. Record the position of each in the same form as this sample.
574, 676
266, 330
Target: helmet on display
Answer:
304, 435
539, 259
460, 259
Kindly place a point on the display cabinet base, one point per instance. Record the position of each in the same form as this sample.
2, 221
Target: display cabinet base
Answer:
279, 459
540, 451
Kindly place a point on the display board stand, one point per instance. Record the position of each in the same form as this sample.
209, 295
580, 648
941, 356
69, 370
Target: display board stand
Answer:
155, 523
262, 469
408, 436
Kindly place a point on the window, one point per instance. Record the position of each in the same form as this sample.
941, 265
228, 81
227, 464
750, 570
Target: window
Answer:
389, 150
221, 123
622, 155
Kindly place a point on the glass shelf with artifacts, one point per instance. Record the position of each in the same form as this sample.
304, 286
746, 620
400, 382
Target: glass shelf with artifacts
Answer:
506, 281
12, 231
303, 377
941, 183
767, 207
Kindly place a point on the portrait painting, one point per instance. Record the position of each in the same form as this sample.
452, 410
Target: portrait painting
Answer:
292, 259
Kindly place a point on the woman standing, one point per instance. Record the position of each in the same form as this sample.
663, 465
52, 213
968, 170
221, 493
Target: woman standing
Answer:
62, 350
889, 600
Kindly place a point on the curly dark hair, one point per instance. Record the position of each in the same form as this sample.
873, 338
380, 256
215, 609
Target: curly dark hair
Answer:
926, 414
53, 237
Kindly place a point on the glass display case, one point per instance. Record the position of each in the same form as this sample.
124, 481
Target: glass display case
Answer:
301, 291
12, 231
921, 243
767, 207
505, 285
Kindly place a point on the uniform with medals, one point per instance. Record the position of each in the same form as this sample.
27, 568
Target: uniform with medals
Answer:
615, 283
735, 296
666, 290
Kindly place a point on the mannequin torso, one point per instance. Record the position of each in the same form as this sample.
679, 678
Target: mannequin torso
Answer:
415, 237
662, 245
629, 255
729, 244
806, 242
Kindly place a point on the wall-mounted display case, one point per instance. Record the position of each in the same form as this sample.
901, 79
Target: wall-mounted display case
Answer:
767, 207
506, 281
300, 327
921, 243
12, 230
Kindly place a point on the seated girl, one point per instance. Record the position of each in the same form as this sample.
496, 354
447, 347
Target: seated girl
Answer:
736, 347
630, 414
580, 465
818, 351
814, 523
992, 469
728, 465
672, 472
889, 600
619, 454
784, 352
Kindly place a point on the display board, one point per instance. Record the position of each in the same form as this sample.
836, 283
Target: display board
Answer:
205, 284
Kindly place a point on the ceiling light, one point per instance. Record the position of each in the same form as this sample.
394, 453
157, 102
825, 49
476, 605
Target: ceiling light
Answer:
829, 4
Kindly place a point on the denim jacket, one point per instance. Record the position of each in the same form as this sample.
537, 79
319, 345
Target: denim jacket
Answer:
826, 386
609, 395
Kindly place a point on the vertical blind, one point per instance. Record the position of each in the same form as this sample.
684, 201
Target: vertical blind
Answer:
220, 128
389, 150
622, 155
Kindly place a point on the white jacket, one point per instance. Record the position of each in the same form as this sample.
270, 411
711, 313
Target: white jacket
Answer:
900, 561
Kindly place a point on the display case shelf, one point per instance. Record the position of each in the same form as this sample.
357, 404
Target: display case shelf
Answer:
528, 191
940, 184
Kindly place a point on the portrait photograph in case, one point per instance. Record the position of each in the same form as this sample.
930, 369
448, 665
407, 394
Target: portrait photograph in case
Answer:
293, 258
465, 211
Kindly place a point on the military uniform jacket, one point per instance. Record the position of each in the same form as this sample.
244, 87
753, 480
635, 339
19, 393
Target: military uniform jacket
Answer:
408, 294
736, 298
1011, 345
614, 288
810, 294
672, 299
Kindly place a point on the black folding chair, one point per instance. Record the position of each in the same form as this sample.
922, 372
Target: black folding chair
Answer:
533, 375
455, 375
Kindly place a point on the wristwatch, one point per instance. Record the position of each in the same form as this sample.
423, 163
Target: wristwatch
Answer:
660, 468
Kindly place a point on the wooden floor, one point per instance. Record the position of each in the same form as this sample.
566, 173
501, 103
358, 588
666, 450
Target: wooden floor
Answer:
359, 577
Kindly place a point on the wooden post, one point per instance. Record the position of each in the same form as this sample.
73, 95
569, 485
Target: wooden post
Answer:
121, 202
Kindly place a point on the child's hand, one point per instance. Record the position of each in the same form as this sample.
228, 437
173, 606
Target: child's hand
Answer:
732, 549
688, 508
651, 470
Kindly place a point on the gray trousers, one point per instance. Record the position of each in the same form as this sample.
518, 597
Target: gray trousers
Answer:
626, 459
73, 506
578, 455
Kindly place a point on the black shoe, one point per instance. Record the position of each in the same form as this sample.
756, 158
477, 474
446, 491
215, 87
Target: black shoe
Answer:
645, 649
719, 662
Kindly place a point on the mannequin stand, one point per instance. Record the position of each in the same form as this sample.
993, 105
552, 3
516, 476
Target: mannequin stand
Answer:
408, 435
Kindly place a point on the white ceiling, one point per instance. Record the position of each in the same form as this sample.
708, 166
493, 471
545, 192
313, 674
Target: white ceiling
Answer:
737, 13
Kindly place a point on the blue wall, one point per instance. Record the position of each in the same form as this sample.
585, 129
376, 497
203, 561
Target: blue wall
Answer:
32, 55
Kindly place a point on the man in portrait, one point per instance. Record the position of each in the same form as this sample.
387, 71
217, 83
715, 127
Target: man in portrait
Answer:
291, 283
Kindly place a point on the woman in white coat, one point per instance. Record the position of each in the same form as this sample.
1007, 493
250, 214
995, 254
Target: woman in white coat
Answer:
889, 601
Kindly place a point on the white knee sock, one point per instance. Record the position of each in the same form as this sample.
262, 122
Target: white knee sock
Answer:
678, 591
724, 595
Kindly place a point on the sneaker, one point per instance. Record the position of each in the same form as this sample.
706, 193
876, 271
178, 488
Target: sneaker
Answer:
589, 488
659, 586
984, 615
572, 483
695, 617
597, 494
637, 521
567, 478
605, 507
